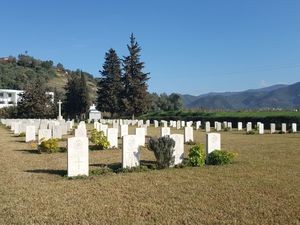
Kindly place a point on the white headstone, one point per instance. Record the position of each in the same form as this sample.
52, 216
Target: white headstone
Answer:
57, 132
165, 123
207, 126
198, 125
17, 128
178, 125
229, 125
30, 133
178, 149
283, 127
261, 128
78, 156
219, 126
249, 127
188, 134
80, 132
112, 137
140, 134
155, 123
183, 123
44, 134
124, 130
240, 126
140, 122
131, 151
148, 123
165, 131
294, 127
272, 128
213, 142
104, 127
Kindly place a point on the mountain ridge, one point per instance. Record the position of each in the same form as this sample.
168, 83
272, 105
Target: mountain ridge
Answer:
275, 96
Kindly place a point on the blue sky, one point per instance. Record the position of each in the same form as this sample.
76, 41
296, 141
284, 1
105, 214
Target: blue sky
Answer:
190, 47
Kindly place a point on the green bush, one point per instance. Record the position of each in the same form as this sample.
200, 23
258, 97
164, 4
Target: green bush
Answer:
196, 156
163, 149
23, 134
49, 146
190, 142
220, 157
99, 139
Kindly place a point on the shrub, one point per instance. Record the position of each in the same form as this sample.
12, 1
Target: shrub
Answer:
196, 156
281, 132
99, 139
251, 132
23, 134
190, 142
163, 149
49, 146
220, 157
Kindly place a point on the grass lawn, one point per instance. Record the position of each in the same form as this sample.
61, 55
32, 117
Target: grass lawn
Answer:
261, 187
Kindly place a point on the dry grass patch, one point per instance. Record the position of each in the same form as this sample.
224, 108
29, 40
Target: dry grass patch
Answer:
261, 187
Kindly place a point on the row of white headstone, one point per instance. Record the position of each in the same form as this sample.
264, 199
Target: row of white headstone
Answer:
218, 126
43, 129
78, 151
260, 127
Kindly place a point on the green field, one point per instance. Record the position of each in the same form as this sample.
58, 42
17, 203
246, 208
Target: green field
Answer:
260, 187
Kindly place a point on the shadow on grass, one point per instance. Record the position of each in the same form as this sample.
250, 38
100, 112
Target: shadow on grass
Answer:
112, 166
53, 172
28, 151
115, 167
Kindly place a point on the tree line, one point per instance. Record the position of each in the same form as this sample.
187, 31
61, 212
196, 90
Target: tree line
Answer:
122, 90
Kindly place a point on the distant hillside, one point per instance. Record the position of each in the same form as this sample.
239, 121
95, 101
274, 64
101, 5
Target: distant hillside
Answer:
17, 73
277, 96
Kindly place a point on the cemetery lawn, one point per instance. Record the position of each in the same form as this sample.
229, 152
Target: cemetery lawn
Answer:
261, 187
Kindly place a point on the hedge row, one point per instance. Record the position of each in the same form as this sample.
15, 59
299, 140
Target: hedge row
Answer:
234, 117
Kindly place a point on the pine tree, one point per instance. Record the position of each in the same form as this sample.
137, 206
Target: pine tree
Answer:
77, 95
110, 85
136, 98
84, 97
35, 102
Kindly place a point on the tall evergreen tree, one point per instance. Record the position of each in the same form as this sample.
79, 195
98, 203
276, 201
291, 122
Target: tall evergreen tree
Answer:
77, 96
110, 85
136, 98
35, 102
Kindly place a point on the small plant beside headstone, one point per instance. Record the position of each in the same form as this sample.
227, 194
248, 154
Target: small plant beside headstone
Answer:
99, 139
49, 146
220, 157
22, 134
163, 149
251, 132
197, 156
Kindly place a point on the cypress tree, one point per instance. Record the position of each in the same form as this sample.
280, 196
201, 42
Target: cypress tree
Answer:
77, 95
136, 98
110, 85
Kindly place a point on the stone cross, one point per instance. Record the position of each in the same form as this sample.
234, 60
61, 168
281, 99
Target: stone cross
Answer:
59, 110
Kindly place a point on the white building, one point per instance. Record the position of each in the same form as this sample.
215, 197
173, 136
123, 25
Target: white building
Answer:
10, 97
94, 114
